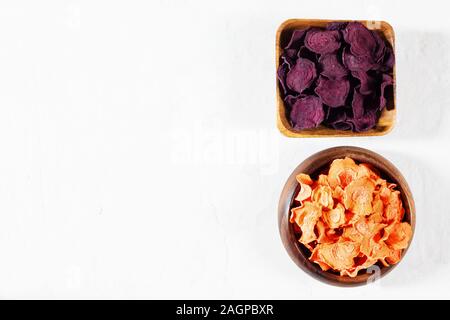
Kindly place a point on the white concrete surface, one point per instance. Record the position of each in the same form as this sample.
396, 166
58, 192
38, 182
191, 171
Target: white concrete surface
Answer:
140, 158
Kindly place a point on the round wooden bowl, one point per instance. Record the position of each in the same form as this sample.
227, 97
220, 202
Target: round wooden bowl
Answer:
315, 165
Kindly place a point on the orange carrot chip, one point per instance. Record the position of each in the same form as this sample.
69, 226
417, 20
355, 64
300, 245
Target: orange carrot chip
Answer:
335, 217
323, 180
350, 233
365, 170
339, 256
399, 236
306, 217
323, 196
338, 193
342, 172
378, 206
394, 256
304, 178
322, 235
358, 196
305, 192
394, 208
305, 182
361, 262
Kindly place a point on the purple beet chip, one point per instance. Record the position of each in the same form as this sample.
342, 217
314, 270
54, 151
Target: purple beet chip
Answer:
366, 122
338, 119
301, 76
281, 75
307, 112
362, 41
355, 63
386, 81
332, 92
380, 48
296, 39
357, 104
323, 41
336, 25
331, 67
288, 60
290, 100
367, 83
387, 63
304, 52
290, 54
343, 125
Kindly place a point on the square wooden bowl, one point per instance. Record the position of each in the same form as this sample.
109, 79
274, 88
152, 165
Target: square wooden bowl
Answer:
387, 118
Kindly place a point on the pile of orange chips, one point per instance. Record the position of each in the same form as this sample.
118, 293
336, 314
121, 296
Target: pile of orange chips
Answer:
350, 219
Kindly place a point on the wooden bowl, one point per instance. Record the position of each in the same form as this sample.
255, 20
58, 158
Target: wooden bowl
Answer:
314, 165
387, 118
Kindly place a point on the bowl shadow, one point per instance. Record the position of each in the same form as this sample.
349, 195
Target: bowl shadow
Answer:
422, 82
428, 250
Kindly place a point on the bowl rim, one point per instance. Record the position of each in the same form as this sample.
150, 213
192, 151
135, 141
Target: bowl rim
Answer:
281, 121
291, 244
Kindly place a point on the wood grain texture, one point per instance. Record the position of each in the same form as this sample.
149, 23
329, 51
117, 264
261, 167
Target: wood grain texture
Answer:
387, 119
314, 165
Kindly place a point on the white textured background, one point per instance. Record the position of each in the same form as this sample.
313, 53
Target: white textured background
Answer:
140, 158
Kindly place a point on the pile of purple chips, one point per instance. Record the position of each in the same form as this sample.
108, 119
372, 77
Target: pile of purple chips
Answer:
335, 76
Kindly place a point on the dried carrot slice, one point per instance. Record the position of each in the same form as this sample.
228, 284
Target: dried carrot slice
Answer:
364, 263
350, 233
366, 170
339, 256
322, 235
338, 193
323, 180
394, 209
378, 206
323, 195
305, 182
304, 178
379, 251
335, 218
306, 217
305, 193
358, 196
394, 256
400, 235
316, 258
342, 172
